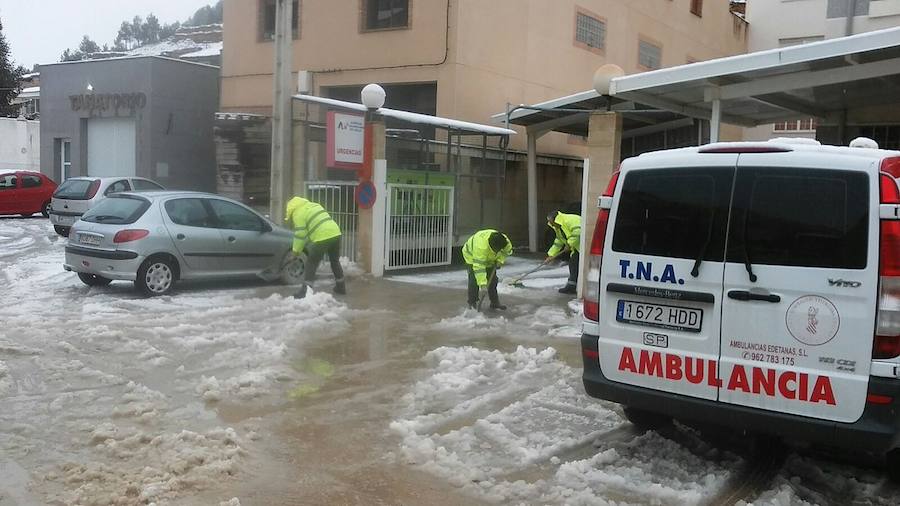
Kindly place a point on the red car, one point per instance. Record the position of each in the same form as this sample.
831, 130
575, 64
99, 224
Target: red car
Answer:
25, 193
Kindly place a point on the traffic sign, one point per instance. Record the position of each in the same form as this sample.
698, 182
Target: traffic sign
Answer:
365, 195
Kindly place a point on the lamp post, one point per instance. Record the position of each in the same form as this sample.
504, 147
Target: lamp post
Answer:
371, 234
372, 97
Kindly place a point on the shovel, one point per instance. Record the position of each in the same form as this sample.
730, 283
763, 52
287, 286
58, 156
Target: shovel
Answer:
486, 288
518, 281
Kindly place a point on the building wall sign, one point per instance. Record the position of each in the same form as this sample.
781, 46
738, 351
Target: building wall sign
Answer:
345, 141
98, 103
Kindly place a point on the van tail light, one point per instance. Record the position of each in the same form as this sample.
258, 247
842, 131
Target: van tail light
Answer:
879, 399
887, 329
92, 189
130, 235
595, 257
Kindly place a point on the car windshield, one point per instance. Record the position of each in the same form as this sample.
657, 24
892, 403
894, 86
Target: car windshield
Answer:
73, 189
117, 210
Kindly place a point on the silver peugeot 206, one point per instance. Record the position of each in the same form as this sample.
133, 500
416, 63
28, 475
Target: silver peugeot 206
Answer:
158, 238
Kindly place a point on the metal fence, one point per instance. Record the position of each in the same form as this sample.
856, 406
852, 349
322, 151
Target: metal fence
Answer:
419, 229
339, 199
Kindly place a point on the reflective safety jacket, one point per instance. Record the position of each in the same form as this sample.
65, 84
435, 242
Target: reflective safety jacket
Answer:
477, 252
310, 221
568, 233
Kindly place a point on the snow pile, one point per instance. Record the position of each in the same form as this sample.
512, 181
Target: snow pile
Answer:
470, 320
133, 375
191, 461
511, 427
782, 495
5, 380
351, 269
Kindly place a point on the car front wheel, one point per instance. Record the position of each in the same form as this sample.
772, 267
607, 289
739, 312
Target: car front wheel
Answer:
93, 279
45, 209
155, 277
292, 272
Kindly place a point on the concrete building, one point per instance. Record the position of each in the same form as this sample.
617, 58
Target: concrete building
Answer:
468, 59
775, 24
145, 116
29, 97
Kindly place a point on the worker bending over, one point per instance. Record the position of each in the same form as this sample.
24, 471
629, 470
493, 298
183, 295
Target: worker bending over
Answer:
319, 234
567, 228
484, 253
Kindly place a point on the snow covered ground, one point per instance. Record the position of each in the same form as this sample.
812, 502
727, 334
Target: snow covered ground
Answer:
107, 394
396, 394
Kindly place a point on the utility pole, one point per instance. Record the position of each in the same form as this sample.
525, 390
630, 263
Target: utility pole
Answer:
282, 170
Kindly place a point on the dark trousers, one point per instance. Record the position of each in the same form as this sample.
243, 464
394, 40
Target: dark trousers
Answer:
492, 287
317, 250
573, 269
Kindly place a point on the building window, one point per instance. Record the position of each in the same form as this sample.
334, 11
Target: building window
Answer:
267, 19
590, 31
697, 7
840, 8
649, 55
385, 14
801, 125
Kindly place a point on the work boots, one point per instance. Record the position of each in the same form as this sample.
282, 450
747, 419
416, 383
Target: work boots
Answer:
302, 293
340, 288
568, 289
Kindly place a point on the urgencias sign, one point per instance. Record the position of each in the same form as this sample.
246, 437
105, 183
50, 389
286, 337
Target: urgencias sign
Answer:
102, 102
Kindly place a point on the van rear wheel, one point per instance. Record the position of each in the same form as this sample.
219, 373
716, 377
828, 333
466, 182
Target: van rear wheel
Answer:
643, 419
893, 465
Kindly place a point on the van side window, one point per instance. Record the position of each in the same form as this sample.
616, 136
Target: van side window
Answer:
808, 218
678, 213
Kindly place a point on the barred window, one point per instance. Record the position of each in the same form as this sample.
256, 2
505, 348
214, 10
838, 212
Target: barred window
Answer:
590, 31
385, 14
649, 55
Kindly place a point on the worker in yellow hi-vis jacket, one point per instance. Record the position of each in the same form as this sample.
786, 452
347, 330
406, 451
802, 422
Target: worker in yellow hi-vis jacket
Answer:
484, 253
313, 225
567, 228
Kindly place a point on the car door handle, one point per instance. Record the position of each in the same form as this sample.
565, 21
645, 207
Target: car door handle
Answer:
180, 237
747, 295
231, 238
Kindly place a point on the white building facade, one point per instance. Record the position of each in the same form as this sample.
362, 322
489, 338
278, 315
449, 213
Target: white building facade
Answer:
782, 23
20, 148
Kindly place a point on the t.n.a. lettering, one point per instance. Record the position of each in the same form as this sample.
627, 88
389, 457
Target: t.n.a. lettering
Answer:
646, 271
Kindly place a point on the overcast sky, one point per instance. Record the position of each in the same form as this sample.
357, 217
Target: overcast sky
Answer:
38, 31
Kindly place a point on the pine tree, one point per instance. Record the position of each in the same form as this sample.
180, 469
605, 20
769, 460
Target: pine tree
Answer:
9, 78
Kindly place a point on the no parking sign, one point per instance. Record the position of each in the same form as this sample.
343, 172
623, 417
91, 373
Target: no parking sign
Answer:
365, 195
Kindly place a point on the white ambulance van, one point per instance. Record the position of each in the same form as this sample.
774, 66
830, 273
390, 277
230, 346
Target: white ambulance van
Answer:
752, 285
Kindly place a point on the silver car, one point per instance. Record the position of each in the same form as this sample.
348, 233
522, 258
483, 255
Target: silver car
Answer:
78, 194
158, 238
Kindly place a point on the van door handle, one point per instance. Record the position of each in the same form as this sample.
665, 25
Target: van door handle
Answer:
180, 237
747, 295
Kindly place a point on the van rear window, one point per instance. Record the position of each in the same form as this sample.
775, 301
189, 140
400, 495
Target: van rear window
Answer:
679, 213
808, 218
